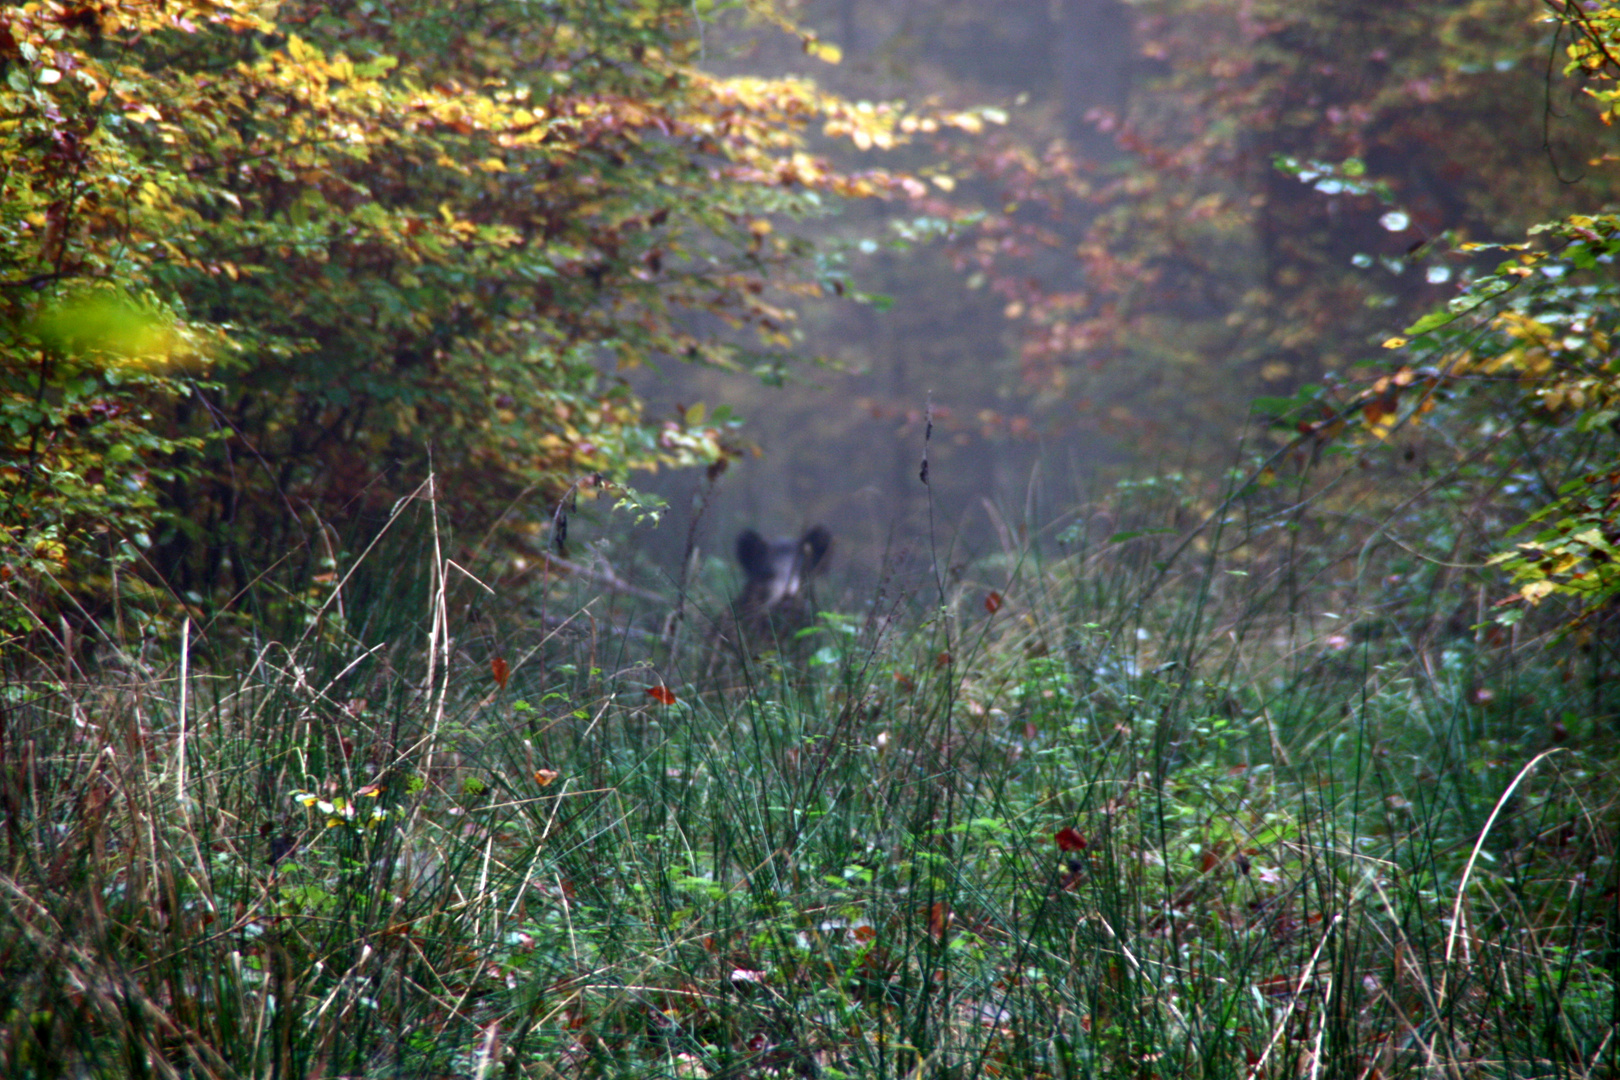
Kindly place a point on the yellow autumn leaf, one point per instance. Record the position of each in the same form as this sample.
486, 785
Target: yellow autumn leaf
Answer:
1564, 563
1536, 591
825, 51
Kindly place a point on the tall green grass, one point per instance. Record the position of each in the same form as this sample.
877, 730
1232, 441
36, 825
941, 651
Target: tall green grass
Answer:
1165, 800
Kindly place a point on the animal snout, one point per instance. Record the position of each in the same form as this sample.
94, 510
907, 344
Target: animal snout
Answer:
779, 571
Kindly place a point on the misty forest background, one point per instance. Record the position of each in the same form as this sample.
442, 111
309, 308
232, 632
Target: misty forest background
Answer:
1214, 404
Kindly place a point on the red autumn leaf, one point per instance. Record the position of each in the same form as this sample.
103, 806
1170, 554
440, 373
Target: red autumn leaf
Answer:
1209, 861
661, 694
943, 660
992, 602
1069, 839
498, 667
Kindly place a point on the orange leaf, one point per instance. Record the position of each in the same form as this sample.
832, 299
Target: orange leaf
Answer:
544, 777
992, 602
661, 694
1069, 839
498, 667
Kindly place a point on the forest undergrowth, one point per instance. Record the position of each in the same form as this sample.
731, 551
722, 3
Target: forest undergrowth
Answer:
1246, 789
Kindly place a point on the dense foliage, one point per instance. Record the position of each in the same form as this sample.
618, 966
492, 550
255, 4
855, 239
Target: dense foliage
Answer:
1525, 349
1310, 202
1194, 258
263, 262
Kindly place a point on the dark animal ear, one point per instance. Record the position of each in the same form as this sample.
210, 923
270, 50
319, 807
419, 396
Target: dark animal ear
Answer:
754, 554
813, 548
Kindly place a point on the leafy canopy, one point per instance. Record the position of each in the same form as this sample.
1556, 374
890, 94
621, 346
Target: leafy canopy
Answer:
324, 241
